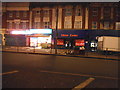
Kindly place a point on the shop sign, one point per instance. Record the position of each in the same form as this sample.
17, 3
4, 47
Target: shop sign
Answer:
69, 35
79, 42
60, 42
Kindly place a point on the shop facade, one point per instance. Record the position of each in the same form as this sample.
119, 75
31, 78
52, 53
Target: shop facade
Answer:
39, 38
70, 39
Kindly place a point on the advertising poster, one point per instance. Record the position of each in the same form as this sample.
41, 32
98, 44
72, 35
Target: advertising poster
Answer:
79, 42
60, 42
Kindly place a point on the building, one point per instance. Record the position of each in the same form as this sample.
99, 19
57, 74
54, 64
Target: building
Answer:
77, 23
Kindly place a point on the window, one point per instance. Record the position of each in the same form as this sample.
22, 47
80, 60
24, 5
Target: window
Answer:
107, 12
37, 14
25, 14
10, 14
67, 24
37, 25
17, 25
10, 25
106, 25
24, 25
68, 12
17, 14
78, 12
46, 13
94, 25
77, 24
117, 25
46, 25
95, 12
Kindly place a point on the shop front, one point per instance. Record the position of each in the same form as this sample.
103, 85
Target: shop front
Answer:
70, 39
39, 41
39, 38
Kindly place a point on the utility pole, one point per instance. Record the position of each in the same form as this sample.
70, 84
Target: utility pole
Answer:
56, 31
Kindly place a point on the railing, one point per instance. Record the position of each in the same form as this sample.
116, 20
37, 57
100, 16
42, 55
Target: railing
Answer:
70, 52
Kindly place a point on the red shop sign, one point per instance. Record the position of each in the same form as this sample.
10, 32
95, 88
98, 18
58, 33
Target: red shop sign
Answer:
60, 42
79, 42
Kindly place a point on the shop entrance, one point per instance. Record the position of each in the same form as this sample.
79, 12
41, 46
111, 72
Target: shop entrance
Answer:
41, 42
69, 43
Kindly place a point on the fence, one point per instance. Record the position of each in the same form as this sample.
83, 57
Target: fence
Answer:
69, 52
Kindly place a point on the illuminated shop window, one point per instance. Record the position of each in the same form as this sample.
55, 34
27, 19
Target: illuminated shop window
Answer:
68, 12
94, 25
106, 25
77, 24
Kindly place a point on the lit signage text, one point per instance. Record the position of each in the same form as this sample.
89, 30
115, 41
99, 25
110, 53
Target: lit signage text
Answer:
33, 31
71, 35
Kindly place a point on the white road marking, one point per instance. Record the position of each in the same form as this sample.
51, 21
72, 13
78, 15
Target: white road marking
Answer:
83, 84
80, 75
9, 72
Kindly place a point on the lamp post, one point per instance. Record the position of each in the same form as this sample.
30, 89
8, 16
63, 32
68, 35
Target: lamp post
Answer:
56, 31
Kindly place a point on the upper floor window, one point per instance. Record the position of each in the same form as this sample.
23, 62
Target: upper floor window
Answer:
10, 14
118, 14
25, 14
17, 14
78, 24
10, 25
95, 12
37, 13
78, 12
45, 13
46, 24
17, 25
68, 12
24, 25
106, 12
36, 25
68, 24
94, 25
106, 25
117, 25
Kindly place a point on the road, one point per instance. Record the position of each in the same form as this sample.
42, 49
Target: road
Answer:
48, 71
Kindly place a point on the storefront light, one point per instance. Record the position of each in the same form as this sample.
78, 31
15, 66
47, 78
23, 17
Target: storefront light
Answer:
21, 32
33, 31
41, 31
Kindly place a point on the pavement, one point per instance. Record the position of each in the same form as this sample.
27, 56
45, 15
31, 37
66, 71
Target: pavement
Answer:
59, 52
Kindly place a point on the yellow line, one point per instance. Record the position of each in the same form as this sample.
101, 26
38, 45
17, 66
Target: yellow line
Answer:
9, 72
84, 84
79, 75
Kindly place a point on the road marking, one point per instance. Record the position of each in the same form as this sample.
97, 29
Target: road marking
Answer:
83, 84
9, 72
80, 75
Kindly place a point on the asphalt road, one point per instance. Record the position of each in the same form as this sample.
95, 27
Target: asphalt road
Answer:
47, 71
